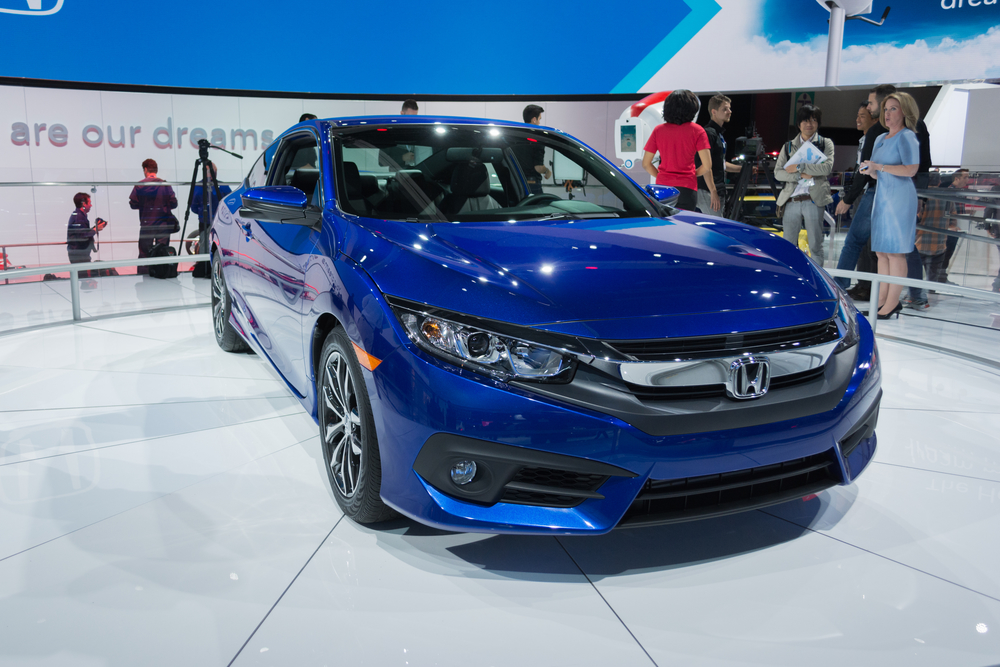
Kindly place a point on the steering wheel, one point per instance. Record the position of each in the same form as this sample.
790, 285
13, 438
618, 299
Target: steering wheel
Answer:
538, 199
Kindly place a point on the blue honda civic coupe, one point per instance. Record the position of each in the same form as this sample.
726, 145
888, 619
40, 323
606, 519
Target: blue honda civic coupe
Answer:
486, 351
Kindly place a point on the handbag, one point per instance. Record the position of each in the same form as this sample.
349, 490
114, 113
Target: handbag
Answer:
170, 221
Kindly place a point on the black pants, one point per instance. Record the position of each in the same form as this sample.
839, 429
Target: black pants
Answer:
688, 199
949, 249
149, 236
80, 258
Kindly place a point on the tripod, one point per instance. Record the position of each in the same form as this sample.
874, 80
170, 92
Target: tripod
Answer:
208, 205
753, 157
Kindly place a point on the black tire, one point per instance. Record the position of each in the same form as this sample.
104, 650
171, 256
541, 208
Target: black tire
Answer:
222, 304
347, 433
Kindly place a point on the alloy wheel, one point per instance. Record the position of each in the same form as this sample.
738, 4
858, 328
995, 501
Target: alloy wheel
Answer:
342, 429
218, 300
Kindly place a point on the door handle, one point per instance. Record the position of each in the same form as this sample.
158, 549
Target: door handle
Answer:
246, 230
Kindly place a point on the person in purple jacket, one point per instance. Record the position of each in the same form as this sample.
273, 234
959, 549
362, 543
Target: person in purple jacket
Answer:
154, 202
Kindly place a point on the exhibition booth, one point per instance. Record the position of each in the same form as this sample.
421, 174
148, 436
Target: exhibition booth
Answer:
164, 501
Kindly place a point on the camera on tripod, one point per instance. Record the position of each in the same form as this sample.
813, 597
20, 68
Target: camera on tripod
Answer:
209, 186
750, 153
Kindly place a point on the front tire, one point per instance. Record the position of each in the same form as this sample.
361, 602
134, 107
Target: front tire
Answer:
347, 433
222, 304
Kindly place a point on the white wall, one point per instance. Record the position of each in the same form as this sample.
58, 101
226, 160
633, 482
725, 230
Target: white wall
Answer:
982, 145
38, 215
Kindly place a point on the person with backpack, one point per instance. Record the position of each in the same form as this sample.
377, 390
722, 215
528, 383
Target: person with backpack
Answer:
807, 186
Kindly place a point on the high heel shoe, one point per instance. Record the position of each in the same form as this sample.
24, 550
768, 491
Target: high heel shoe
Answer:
894, 311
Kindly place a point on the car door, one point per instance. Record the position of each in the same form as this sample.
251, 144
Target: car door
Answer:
275, 257
232, 230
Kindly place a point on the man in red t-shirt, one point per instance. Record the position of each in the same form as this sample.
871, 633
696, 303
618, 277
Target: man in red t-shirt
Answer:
677, 141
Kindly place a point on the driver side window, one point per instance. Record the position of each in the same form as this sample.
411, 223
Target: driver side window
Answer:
258, 174
298, 165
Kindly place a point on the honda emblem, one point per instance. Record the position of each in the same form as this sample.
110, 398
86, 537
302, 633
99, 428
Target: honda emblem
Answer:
749, 377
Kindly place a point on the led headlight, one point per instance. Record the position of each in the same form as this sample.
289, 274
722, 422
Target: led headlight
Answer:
847, 313
498, 356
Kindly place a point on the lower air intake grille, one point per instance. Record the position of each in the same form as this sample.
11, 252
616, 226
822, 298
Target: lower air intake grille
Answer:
672, 501
549, 487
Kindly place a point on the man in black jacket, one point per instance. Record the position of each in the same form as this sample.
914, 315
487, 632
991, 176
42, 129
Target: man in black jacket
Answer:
862, 191
719, 111
154, 202
79, 235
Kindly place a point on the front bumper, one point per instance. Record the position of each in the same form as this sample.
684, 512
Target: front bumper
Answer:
558, 467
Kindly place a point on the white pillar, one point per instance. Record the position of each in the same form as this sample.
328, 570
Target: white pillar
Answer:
835, 45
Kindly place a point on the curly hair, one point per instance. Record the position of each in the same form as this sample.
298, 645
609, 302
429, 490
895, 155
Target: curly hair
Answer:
681, 106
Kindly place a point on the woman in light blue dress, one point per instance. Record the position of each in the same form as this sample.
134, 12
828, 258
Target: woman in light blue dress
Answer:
894, 163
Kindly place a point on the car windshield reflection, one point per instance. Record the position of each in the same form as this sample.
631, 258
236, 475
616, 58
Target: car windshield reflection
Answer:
467, 173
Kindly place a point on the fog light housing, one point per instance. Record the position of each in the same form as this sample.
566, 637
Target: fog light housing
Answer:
463, 472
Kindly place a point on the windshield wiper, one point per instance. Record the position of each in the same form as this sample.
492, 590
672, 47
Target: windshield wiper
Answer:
590, 215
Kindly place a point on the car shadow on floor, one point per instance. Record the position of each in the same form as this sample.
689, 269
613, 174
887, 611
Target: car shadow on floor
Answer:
626, 549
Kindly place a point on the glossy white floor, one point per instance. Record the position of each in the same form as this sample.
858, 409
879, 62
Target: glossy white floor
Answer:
165, 503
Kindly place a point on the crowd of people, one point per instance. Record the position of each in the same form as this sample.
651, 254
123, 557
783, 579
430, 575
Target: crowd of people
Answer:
893, 159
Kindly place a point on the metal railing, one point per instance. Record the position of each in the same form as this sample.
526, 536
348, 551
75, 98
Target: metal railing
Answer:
94, 184
75, 269
877, 279
6, 261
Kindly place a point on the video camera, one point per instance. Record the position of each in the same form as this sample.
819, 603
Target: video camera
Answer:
750, 153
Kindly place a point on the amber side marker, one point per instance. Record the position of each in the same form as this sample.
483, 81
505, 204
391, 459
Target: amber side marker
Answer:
366, 360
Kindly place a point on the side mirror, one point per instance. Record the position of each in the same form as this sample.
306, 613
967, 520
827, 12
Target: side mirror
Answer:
663, 194
278, 203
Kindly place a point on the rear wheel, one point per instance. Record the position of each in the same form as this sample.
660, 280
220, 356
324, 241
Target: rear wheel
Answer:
225, 334
347, 432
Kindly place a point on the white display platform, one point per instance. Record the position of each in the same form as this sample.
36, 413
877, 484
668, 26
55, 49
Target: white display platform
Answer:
165, 503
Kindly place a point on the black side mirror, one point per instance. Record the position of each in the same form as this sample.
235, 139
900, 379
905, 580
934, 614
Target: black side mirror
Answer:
279, 203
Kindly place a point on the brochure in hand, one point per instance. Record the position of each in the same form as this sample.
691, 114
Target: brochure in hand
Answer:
807, 154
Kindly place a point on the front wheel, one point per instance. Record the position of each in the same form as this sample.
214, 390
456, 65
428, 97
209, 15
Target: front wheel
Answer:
222, 304
347, 432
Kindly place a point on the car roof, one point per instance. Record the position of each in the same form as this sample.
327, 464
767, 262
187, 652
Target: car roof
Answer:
352, 121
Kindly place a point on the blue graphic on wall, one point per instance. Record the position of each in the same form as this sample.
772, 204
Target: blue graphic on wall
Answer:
448, 47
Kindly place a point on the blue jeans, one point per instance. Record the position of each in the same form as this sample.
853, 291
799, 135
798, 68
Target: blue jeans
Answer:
857, 236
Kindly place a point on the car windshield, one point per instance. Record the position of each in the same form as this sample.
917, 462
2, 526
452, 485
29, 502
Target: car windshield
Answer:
464, 173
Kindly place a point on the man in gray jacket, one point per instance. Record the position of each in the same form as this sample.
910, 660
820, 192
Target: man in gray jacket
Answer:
807, 188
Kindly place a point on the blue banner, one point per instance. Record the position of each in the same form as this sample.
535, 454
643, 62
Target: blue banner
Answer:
390, 48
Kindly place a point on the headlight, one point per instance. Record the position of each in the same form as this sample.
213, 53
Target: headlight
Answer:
847, 314
846, 311
498, 356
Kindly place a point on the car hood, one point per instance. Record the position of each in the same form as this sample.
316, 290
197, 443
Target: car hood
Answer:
647, 277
